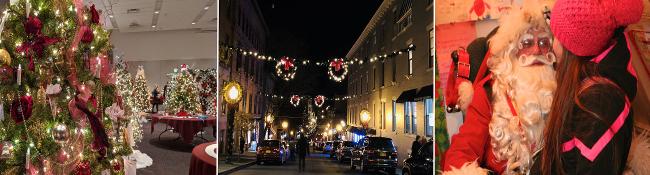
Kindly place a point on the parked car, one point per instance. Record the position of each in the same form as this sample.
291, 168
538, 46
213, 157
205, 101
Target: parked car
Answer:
327, 147
335, 146
375, 153
420, 162
345, 151
271, 151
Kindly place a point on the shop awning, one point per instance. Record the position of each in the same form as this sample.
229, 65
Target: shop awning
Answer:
362, 131
424, 93
408, 95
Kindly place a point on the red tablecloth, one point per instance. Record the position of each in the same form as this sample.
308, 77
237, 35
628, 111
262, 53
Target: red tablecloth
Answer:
187, 127
202, 163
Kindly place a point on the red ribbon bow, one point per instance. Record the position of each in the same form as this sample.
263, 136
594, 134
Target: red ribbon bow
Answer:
336, 63
288, 63
38, 41
94, 15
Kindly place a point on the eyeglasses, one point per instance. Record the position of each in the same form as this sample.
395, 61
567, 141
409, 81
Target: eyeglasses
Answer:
527, 46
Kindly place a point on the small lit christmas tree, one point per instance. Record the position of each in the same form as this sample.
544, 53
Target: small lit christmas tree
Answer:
124, 85
140, 92
184, 94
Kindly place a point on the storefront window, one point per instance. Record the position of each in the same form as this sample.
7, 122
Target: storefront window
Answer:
428, 119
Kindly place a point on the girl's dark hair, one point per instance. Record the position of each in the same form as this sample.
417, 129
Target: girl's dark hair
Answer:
571, 71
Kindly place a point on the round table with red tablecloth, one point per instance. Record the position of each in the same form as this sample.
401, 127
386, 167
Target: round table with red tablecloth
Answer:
202, 163
187, 127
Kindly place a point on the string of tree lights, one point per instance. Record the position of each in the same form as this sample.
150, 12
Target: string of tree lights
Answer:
337, 68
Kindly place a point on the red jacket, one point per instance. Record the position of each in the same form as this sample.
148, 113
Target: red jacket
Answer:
472, 143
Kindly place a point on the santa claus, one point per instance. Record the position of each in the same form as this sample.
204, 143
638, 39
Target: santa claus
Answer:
505, 119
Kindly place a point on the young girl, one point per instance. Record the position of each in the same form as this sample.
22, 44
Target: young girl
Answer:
589, 129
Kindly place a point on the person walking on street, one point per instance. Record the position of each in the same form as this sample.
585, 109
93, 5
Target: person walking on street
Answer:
415, 146
303, 151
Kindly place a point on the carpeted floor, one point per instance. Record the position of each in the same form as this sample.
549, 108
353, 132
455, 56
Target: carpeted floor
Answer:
170, 156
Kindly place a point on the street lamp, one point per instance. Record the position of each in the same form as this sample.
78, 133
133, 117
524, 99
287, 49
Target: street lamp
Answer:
285, 124
365, 117
232, 94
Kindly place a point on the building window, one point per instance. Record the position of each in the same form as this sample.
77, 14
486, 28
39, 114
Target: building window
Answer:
374, 77
410, 60
431, 48
407, 117
394, 70
394, 116
381, 77
403, 17
410, 125
383, 115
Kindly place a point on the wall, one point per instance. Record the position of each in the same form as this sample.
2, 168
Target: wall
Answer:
162, 51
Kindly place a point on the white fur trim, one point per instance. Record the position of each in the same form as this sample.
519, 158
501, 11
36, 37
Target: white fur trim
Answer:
469, 168
517, 22
639, 156
465, 94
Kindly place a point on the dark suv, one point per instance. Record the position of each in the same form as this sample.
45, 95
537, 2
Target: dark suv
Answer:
375, 153
345, 151
271, 151
420, 162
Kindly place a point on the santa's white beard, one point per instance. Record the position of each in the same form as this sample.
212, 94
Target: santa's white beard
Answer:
516, 138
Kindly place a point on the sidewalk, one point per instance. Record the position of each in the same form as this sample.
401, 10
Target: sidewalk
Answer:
247, 159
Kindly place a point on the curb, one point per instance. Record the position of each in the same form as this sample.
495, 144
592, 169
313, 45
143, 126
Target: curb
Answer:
237, 168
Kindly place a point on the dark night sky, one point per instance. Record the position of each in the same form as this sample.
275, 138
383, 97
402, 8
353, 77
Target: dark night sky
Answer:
317, 30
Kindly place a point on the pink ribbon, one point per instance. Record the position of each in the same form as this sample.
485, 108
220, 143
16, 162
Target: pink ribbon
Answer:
336, 63
594, 151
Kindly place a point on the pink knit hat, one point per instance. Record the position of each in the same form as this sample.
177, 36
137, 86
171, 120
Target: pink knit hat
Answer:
585, 27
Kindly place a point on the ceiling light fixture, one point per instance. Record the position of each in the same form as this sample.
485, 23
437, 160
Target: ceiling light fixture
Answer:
153, 26
156, 12
110, 16
206, 7
193, 23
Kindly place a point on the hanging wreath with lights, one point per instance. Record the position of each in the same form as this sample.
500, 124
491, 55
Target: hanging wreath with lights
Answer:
337, 70
295, 100
286, 69
319, 100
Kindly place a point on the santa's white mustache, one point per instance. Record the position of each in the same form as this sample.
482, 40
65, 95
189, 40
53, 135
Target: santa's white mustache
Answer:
528, 60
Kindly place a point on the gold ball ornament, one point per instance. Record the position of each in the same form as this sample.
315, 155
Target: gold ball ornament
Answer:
5, 58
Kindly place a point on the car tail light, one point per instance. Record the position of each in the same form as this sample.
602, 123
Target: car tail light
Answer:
394, 155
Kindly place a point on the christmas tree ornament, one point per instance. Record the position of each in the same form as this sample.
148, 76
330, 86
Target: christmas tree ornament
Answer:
60, 133
337, 69
115, 112
7, 150
82, 168
6, 75
286, 69
295, 100
21, 109
319, 100
5, 58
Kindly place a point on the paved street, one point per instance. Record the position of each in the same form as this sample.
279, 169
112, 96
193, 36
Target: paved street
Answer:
315, 164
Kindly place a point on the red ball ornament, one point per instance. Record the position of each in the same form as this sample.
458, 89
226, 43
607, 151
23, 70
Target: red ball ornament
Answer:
7, 75
21, 109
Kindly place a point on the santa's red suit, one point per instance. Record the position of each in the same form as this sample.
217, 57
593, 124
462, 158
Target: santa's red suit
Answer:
472, 150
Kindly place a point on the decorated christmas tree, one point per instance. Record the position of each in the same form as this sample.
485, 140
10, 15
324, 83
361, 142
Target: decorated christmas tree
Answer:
124, 85
140, 92
58, 109
184, 95
207, 81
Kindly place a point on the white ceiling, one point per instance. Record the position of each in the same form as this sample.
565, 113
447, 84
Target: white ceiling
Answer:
172, 14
